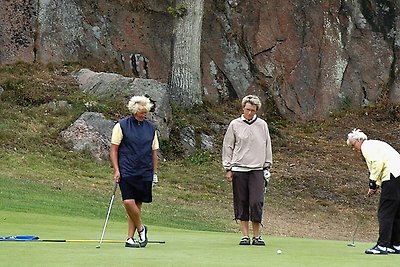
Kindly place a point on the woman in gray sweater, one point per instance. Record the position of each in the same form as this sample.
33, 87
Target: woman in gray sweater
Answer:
247, 158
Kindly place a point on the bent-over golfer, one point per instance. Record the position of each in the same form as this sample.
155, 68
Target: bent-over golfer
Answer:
247, 157
134, 145
383, 162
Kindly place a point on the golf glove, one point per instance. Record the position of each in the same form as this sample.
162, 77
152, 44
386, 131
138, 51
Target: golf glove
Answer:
372, 185
155, 179
267, 175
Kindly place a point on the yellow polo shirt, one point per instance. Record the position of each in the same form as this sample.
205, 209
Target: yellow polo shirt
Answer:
382, 160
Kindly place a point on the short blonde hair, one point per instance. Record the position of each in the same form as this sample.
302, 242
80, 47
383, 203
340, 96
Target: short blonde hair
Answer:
355, 135
252, 99
138, 103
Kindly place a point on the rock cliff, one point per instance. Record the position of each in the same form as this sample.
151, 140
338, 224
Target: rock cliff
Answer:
309, 57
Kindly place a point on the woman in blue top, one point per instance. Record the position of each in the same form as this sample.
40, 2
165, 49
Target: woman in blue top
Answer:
134, 146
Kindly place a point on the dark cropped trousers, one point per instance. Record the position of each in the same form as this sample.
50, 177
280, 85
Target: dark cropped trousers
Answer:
248, 195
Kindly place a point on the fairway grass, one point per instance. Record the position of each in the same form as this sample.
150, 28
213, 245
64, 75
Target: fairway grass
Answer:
182, 248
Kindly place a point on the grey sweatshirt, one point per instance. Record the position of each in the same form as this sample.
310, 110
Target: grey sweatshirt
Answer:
247, 145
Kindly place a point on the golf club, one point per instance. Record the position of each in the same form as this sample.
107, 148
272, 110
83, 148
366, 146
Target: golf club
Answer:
352, 244
108, 215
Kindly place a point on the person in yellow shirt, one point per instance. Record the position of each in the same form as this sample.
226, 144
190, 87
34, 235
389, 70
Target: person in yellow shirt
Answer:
383, 163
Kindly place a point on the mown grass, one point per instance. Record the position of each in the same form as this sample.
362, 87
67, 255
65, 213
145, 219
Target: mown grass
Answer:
182, 247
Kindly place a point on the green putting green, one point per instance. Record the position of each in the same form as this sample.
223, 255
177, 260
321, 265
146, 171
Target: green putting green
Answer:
182, 247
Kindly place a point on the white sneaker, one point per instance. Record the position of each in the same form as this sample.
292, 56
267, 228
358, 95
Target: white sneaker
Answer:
394, 250
377, 250
131, 243
143, 236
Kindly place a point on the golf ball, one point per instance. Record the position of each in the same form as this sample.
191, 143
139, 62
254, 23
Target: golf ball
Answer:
279, 251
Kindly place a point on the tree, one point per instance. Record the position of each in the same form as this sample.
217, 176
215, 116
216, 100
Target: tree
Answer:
185, 80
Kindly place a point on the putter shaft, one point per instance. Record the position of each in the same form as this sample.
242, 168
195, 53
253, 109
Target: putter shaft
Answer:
108, 215
354, 234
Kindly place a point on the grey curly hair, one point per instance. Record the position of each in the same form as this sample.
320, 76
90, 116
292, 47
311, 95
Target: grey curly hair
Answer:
138, 103
354, 135
252, 99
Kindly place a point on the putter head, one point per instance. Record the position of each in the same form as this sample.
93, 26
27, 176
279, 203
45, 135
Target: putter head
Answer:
351, 245
98, 246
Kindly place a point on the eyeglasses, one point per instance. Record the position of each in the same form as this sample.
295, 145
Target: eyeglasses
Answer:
250, 110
